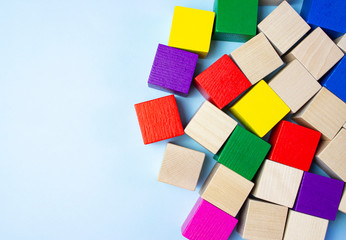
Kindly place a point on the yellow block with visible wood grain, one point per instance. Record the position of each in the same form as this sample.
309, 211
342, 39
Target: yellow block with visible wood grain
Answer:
260, 109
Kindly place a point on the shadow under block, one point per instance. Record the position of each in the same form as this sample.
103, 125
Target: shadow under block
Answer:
206, 222
342, 206
243, 152
222, 82
317, 52
294, 85
226, 189
181, 166
341, 42
191, 30
277, 183
159, 119
210, 127
262, 220
319, 196
325, 113
293, 145
270, 2
256, 58
235, 20
283, 27
172, 70
260, 109
300, 226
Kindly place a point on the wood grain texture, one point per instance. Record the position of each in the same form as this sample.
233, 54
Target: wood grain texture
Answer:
342, 206
341, 42
271, 2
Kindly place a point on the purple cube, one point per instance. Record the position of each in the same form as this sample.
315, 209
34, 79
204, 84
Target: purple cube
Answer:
319, 196
172, 70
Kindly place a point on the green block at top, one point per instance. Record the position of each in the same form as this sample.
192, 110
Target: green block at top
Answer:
243, 152
235, 20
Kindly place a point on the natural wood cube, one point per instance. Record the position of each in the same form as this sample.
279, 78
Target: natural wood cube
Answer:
341, 42
342, 206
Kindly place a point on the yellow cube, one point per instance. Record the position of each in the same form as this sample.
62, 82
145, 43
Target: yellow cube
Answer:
260, 109
191, 30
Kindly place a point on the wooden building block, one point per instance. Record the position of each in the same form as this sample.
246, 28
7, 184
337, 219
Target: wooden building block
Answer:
191, 30
256, 58
319, 196
159, 119
271, 2
317, 52
341, 42
172, 70
342, 206
210, 127
300, 226
206, 222
222, 82
181, 166
226, 189
325, 113
260, 109
294, 85
293, 145
243, 152
235, 20
262, 220
277, 183
283, 27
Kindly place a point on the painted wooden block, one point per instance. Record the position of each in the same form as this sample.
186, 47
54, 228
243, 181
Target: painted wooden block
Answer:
317, 52
226, 189
342, 206
256, 58
325, 113
341, 42
260, 109
207, 222
271, 2
262, 220
235, 20
293, 145
294, 85
159, 119
222, 82
283, 27
181, 166
300, 226
172, 70
210, 127
277, 183
243, 152
191, 30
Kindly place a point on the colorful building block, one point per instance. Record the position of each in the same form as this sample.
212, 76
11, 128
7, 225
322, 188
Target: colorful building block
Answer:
235, 20
222, 82
226, 189
181, 166
159, 119
271, 2
172, 70
293, 145
210, 127
243, 152
191, 30
256, 58
342, 206
207, 222
319, 196
317, 52
262, 220
341, 42
283, 27
260, 109
277, 183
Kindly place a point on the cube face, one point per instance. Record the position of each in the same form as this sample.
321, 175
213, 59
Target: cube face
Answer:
191, 30
159, 119
341, 42
283, 27
222, 82
210, 127
181, 166
260, 109
256, 58
293, 145
172, 70
342, 206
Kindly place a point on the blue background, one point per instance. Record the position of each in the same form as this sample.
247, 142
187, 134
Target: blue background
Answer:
72, 161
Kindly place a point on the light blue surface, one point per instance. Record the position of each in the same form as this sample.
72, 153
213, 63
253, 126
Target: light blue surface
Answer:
72, 162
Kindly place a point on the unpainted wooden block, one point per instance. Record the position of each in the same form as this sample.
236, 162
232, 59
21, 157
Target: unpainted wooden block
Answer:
342, 206
271, 2
341, 42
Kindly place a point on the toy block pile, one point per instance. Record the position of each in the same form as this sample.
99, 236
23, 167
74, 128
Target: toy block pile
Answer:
286, 84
